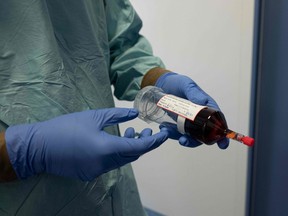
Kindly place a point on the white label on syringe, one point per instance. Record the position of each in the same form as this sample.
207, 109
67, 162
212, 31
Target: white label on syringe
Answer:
180, 106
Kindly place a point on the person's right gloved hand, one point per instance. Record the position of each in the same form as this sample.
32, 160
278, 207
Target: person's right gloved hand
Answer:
184, 87
75, 145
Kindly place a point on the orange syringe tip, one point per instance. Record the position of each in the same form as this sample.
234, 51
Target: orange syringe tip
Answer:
248, 141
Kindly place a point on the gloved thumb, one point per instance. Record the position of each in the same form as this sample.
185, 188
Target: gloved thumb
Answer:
113, 116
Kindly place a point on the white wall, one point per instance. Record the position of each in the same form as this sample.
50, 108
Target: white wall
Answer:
210, 41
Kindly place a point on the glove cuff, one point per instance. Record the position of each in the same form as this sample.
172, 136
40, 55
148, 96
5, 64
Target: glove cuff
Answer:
18, 150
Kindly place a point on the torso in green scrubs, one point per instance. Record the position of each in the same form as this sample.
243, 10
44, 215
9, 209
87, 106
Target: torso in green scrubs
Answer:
57, 57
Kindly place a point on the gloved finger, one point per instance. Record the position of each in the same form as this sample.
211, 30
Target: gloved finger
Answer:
211, 102
153, 141
140, 146
198, 96
129, 132
184, 140
223, 144
146, 132
171, 129
111, 116
187, 141
195, 94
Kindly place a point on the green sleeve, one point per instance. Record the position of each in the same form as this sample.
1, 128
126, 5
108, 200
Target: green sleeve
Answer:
130, 53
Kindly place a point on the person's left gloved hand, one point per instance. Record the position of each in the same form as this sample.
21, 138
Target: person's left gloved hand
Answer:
76, 145
184, 87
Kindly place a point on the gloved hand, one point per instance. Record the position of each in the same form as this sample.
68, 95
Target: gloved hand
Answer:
75, 145
184, 87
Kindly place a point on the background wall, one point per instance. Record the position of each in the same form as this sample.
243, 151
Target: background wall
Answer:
210, 41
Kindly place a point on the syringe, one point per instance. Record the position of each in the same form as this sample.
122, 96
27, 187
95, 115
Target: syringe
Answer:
240, 137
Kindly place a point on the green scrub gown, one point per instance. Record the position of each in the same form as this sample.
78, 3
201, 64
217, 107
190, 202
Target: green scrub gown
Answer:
62, 56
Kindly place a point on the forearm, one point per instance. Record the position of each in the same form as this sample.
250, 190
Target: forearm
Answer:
152, 76
7, 172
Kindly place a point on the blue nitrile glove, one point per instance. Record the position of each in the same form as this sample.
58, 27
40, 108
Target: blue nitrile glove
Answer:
184, 87
75, 145
130, 133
